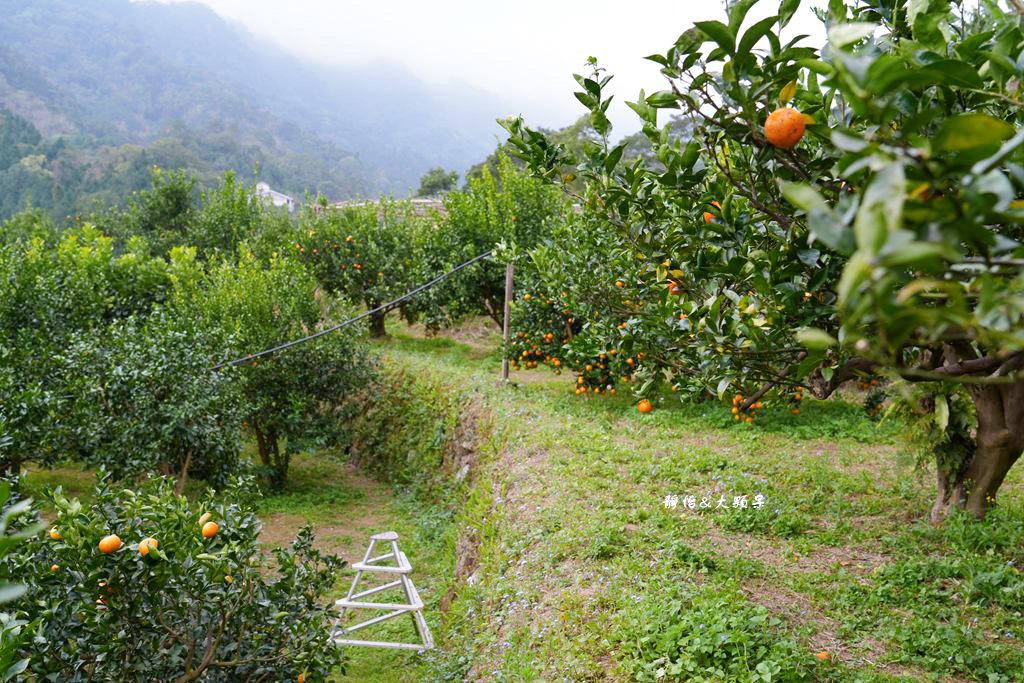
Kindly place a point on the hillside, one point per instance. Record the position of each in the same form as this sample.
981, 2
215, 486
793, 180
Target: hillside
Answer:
187, 86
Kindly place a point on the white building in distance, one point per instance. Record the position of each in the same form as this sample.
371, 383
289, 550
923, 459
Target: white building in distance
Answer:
273, 197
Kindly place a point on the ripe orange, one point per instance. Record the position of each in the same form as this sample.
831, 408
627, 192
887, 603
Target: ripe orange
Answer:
620, 283
147, 544
54, 535
229, 578
54, 567
708, 216
210, 529
644, 406
784, 127
109, 544
795, 411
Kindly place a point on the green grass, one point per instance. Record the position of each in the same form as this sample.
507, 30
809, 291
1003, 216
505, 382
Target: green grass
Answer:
841, 555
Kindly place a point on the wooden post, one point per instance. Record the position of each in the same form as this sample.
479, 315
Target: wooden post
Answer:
509, 270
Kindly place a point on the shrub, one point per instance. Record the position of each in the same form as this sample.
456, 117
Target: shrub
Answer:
193, 608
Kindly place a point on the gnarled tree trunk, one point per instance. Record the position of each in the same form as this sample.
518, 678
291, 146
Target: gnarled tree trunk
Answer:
999, 444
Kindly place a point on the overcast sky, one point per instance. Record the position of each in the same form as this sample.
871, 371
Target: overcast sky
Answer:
526, 51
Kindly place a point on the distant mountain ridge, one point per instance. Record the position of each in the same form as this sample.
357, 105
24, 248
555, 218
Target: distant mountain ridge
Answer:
117, 72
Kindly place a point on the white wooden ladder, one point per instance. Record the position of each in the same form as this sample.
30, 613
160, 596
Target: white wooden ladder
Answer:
382, 564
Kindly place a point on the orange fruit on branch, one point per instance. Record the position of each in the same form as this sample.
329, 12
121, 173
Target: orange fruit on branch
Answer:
147, 544
708, 216
53, 534
210, 529
784, 127
109, 544
645, 406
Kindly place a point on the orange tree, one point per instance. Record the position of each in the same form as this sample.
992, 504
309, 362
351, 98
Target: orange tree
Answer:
364, 253
51, 294
139, 396
884, 238
182, 606
291, 399
507, 206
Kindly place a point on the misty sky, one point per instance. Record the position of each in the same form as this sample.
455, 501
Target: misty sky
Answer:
526, 51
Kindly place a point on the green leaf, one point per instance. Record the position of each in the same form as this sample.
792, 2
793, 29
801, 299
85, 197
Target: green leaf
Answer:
881, 208
941, 412
720, 33
844, 34
967, 131
738, 13
809, 257
787, 8
663, 99
831, 232
814, 338
754, 34
915, 252
723, 386
856, 271
803, 196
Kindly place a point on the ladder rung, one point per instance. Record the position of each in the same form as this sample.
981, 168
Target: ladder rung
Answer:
378, 589
361, 567
386, 556
377, 643
375, 620
345, 602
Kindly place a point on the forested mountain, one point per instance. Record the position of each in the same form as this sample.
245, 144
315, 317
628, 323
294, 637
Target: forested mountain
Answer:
129, 84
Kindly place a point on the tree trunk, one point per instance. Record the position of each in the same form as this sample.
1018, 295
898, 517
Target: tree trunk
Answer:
179, 488
377, 329
269, 449
279, 465
972, 486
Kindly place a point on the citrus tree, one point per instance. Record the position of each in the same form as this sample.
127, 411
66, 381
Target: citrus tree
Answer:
147, 586
507, 206
140, 397
293, 398
837, 211
50, 296
366, 254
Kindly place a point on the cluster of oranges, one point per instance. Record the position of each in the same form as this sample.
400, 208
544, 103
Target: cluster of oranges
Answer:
112, 542
341, 254
747, 415
867, 383
550, 324
795, 398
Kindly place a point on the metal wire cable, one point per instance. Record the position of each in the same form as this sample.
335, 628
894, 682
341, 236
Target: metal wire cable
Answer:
383, 307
